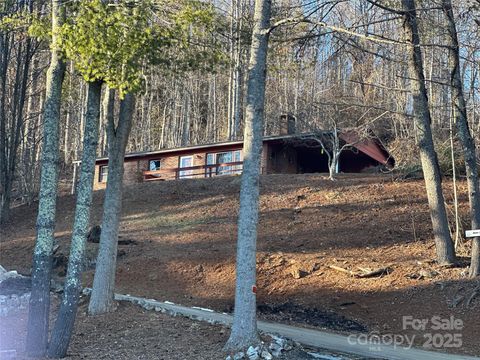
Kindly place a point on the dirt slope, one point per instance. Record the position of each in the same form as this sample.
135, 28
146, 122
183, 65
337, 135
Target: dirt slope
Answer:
185, 233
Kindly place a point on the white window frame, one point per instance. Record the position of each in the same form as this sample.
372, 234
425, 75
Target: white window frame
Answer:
102, 176
183, 174
237, 156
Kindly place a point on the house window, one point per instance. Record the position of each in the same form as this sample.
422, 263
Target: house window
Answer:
223, 158
185, 162
103, 174
210, 170
154, 165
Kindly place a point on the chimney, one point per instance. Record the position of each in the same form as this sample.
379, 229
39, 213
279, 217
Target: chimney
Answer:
287, 124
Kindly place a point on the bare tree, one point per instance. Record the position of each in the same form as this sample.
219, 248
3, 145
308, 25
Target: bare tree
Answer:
428, 156
244, 330
468, 144
11, 124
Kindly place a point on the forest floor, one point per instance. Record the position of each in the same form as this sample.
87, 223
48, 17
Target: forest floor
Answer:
182, 249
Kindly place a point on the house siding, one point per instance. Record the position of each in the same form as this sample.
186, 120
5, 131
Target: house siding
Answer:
280, 160
278, 157
133, 168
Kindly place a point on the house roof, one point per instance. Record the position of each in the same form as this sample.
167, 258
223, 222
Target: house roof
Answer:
370, 147
203, 146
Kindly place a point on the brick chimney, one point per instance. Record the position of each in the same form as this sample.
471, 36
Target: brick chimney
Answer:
287, 124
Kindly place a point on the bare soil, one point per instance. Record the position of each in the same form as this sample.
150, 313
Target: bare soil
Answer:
183, 250
134, 333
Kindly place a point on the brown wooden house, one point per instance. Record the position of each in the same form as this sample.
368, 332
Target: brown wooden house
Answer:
283, 154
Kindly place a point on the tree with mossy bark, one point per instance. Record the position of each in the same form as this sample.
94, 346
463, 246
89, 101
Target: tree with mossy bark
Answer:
143, 41
111, 45
39, 309
63, 329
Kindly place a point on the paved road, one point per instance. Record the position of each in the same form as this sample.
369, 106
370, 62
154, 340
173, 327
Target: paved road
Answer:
315, 338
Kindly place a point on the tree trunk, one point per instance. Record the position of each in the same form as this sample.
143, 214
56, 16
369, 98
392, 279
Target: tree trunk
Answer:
428, 156
37, 329
468, 144
10, 145
108, 111
186, 118
62, 332
101, 300
4, 193
244, 329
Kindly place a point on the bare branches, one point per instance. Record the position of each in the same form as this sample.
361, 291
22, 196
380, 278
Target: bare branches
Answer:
372, 37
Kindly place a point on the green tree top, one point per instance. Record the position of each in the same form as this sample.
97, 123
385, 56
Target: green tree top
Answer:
115, 42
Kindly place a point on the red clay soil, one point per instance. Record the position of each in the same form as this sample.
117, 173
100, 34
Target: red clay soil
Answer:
185, 234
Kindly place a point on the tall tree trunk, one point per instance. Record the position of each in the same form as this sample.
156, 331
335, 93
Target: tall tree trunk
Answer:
9, 143
63, 329
37, 330
66, 132
468, 144
428, 156
186, 118
244, 329
107, 113
102, 300
29, 145
5, 46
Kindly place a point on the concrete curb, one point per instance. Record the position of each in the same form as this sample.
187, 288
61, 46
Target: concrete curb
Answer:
315, 338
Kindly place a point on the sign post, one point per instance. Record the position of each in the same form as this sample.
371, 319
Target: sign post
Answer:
472, 233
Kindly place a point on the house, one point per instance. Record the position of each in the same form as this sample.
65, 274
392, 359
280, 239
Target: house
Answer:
281, 154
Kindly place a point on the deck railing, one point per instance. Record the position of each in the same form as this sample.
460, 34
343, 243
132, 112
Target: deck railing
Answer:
229, 168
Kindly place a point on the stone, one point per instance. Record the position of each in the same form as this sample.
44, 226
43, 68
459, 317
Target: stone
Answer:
266, 355
298, 272
276, 349
2, 270
428, 274
252, 353
9, 275
279, 341
239, 356
14, 301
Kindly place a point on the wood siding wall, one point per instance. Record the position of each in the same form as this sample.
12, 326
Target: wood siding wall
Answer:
280, 159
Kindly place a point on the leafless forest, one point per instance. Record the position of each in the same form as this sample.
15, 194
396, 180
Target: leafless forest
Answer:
344, 67
82, 79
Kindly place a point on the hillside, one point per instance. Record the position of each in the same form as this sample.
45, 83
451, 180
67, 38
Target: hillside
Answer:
183, 250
